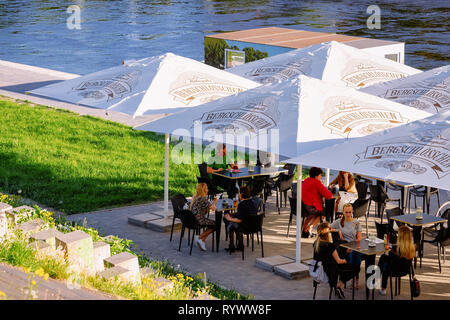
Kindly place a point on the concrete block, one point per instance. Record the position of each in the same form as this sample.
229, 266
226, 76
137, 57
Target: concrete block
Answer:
3, 226
48, 236
292, 271
125, 260
269, 263
163, 225
5, 207
15, 214
102, 251
78, 250
119, 272
42, 247
141, 219
32, 226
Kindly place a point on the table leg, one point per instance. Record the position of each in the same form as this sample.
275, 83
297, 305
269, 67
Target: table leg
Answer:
404, 192
428, 195
218, 228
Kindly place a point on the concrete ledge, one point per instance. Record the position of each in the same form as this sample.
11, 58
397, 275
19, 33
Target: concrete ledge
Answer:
269, 263
119, 272
141, 219
163, 225
292, 271
31, 226
4, 207
48, 236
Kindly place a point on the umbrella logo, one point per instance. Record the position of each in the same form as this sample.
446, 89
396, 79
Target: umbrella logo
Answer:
201, 88
426, 96
415, 153
108, 89
345, 117
271, 73
360, 74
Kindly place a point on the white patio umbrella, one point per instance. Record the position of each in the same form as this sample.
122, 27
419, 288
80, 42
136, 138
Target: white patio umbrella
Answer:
331, 61
416, 152
166, 83
429, 90
308, 113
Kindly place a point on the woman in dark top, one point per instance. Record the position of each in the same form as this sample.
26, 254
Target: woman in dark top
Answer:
398, 258
338, 270
245, 207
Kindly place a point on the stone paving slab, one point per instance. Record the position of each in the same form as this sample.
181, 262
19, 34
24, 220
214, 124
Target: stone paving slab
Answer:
269, 263
142, 218
292, 271
162, 225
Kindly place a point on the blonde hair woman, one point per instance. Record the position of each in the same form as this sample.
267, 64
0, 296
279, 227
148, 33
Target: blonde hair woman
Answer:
399, 257
349, 230
200, 207
335, 267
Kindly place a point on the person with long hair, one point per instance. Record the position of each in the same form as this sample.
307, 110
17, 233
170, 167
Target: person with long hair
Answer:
200, 207
349, 230
344, 181
313, 192
399, 257
338, 270
245, 207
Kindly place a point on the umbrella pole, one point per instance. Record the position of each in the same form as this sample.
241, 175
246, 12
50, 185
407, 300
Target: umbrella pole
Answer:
328, 177
298, 219
166, 178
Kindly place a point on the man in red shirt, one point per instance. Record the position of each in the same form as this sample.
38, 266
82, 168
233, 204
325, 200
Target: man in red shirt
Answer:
312, 193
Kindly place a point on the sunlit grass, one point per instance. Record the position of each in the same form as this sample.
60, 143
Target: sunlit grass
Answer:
79, 163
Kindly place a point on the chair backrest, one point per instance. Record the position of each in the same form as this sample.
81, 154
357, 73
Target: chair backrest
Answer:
377, 193
258, 203
256, 186
392, 213
202, 167
361, 188
444, 230
285, 181
400, 267
252, 223
382, 229
329, 207
293, 205
178, 202
360, 207
188, 219
291, 168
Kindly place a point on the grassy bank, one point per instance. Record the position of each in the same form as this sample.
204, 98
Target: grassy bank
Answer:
14, 250
79, 163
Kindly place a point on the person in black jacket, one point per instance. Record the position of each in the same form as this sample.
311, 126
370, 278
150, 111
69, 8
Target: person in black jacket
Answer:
245, 207
338, 270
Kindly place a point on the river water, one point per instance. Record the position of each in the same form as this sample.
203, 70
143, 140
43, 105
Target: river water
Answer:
36, 32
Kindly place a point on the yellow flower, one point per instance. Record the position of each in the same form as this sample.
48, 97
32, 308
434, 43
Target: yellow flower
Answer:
27, 270
33, 283
40, 272
2, 294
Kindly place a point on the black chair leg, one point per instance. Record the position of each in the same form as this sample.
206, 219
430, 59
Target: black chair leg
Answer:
439, 255
399, 285
411, 285
192, 242
331, 291
181, 237
253, 243
171, 231
315, 289
262, 246
392, 293
353, 289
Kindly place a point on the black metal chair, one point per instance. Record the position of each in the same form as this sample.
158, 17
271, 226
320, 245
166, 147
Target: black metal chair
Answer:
178, 203
329, 209
360, 208
257, 189
389, 228
421, 192
188, 221
283, 184
361, 188
381, 198
250, 225
442, 237
293, 205
398, 270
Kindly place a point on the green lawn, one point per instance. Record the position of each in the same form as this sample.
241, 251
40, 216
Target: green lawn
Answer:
76, 163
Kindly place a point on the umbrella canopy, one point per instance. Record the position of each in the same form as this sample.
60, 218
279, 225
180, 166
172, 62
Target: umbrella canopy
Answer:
428, 91
417, 152
165, 83
331, 61
308, 113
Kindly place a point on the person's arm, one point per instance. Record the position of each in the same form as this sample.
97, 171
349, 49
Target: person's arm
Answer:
324, 192
336, 257
332, 183
346, 183
211, 170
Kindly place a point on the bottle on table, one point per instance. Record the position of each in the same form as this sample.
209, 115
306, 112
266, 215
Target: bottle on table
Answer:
419, 213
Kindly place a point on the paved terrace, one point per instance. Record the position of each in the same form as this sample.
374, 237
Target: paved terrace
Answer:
231, 272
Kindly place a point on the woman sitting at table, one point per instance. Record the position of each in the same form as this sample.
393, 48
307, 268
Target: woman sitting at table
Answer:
218, 163
313, 192
349, 230
399, 257
344, 181
245, 207
335, 267
200, 207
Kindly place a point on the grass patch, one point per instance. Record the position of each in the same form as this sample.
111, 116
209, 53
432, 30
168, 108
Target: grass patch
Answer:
79, 163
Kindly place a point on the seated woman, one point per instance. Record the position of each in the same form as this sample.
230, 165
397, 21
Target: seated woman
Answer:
343, 182
349, 230
245, 207
335, 267
218, 163
399, 257
199, 207
313, 192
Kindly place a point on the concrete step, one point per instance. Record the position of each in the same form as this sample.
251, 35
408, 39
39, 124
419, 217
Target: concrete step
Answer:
42, 247
78, 250
32, 226
269, 263
119, 272
125, 260
292, 271
4, 207
48, 236
102, 251
15, 214
3, 226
